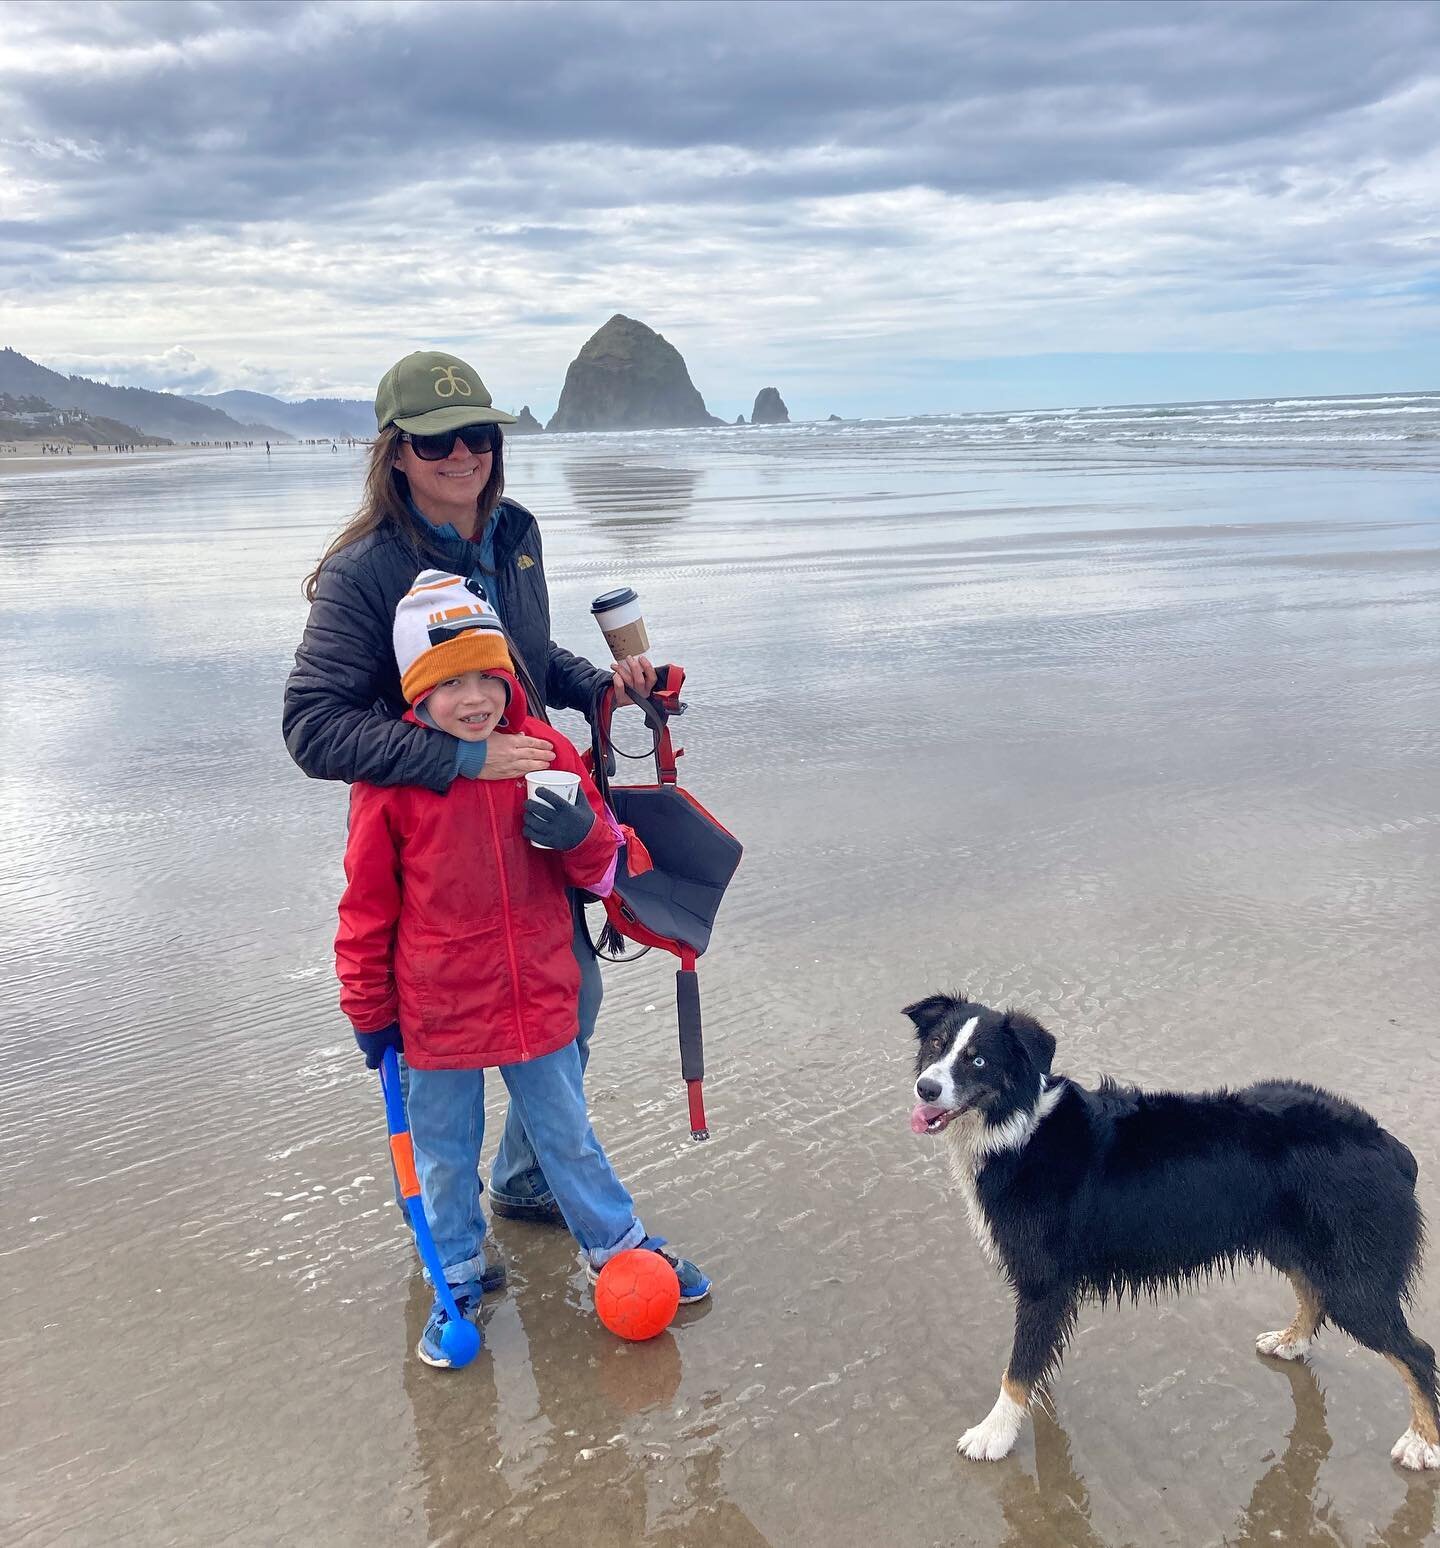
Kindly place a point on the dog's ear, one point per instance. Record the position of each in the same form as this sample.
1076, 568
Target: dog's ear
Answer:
1034, 1039
929, 1012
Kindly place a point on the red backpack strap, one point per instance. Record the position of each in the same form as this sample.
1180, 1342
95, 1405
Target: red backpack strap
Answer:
692, 1050
669, 680
658, 708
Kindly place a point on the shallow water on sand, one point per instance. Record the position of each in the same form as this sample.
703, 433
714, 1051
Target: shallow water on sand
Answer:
1143, 737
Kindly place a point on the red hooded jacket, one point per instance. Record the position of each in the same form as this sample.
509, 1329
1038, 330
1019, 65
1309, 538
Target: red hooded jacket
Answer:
455, 925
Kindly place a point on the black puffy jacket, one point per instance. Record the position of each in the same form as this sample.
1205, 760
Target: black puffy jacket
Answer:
342, 700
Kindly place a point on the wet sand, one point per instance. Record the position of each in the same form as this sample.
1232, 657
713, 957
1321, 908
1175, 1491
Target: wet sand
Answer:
1146, 744
24, 458
20, 459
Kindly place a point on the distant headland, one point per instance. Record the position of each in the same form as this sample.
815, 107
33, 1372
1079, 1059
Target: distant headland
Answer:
626, 376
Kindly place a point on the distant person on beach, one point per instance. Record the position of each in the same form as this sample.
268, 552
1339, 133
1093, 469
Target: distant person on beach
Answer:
455, 948
434, 499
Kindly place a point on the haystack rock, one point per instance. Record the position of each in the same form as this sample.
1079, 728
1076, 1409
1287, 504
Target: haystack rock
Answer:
525, 424
769, 408
628, 378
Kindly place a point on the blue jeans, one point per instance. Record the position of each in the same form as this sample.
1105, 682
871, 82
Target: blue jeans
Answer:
518, 1176
447, 1120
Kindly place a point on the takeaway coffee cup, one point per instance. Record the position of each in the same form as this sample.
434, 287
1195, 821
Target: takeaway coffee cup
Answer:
563, 784
618, 614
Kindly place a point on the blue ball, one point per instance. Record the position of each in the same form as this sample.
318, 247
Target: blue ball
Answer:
460, 1341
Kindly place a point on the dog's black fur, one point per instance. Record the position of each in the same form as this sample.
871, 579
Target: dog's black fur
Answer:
1120, 1192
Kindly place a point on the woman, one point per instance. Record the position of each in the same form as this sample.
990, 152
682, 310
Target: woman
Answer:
434, 499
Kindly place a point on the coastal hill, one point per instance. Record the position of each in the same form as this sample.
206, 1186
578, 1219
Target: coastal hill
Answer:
29, 418
627, 377
155, 413
310, 419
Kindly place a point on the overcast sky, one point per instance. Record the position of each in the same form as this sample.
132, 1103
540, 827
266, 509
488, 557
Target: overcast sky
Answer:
876, 208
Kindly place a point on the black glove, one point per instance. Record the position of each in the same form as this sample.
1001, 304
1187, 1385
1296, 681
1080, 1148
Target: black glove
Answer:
374, 1044
556, 823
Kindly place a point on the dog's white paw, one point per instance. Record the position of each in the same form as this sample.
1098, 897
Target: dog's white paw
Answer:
984, 1443
1282, 1346
995, 1436
1413, 1451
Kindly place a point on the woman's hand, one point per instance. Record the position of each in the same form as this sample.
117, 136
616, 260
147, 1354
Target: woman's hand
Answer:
633, 672
513, 757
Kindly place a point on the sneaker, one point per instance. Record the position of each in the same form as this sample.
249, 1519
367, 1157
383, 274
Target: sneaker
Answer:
544, 1211
467, 1302
694, 1285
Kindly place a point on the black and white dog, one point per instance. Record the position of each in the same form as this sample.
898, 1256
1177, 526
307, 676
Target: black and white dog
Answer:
1119, 1192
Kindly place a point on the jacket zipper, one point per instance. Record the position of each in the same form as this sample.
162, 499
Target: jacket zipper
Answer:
509, 928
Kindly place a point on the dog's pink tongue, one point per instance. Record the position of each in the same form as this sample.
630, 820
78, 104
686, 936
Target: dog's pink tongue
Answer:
923, 1113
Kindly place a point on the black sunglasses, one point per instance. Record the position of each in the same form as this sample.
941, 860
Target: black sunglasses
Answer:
436, 448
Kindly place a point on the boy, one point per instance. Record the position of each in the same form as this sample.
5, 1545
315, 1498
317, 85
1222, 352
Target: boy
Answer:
455, 947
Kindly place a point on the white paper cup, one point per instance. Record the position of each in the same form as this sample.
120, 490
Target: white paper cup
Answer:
567, 785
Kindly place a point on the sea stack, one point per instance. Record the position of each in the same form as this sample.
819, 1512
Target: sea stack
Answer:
628, 378
525, 424
770, 408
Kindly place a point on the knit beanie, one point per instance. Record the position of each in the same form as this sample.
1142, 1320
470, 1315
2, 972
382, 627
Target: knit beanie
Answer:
444, 627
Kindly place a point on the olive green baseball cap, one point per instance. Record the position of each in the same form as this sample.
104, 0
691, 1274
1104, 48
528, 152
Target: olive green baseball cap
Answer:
429, 392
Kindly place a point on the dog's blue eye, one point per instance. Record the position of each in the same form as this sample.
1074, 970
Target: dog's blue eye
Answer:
978, 1062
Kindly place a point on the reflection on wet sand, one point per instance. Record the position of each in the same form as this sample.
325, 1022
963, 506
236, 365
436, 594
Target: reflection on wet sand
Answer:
1054, 1505
1287, 1504
1163, 780
504, 1445
540, 1423
625, 493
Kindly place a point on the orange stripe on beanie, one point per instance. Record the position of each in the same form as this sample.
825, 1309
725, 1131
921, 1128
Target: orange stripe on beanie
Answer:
443, 628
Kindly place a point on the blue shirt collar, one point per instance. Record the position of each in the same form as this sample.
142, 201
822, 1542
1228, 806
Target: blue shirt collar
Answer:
442, 529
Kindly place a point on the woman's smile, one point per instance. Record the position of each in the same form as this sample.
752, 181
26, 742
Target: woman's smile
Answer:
450, 489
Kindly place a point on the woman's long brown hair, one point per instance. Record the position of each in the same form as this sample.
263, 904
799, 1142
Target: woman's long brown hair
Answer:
384, 499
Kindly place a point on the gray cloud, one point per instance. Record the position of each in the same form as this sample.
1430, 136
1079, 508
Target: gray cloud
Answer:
264, 181
173, 370
244, 112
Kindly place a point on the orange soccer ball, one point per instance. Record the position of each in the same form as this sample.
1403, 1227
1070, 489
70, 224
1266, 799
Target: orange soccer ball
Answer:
637, 1294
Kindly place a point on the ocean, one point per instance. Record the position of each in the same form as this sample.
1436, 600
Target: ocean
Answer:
1127, 716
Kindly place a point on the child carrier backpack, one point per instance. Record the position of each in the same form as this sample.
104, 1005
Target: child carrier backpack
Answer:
673, 870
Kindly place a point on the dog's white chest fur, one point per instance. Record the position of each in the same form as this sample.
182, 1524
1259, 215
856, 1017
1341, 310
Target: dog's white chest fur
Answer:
967, 1155
972, 1142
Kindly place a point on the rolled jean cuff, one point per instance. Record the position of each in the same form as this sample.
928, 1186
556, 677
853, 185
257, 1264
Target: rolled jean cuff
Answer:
539, 1200
457, 1274
600, 1256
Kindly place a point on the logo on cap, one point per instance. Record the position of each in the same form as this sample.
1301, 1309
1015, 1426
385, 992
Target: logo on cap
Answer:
449, 382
